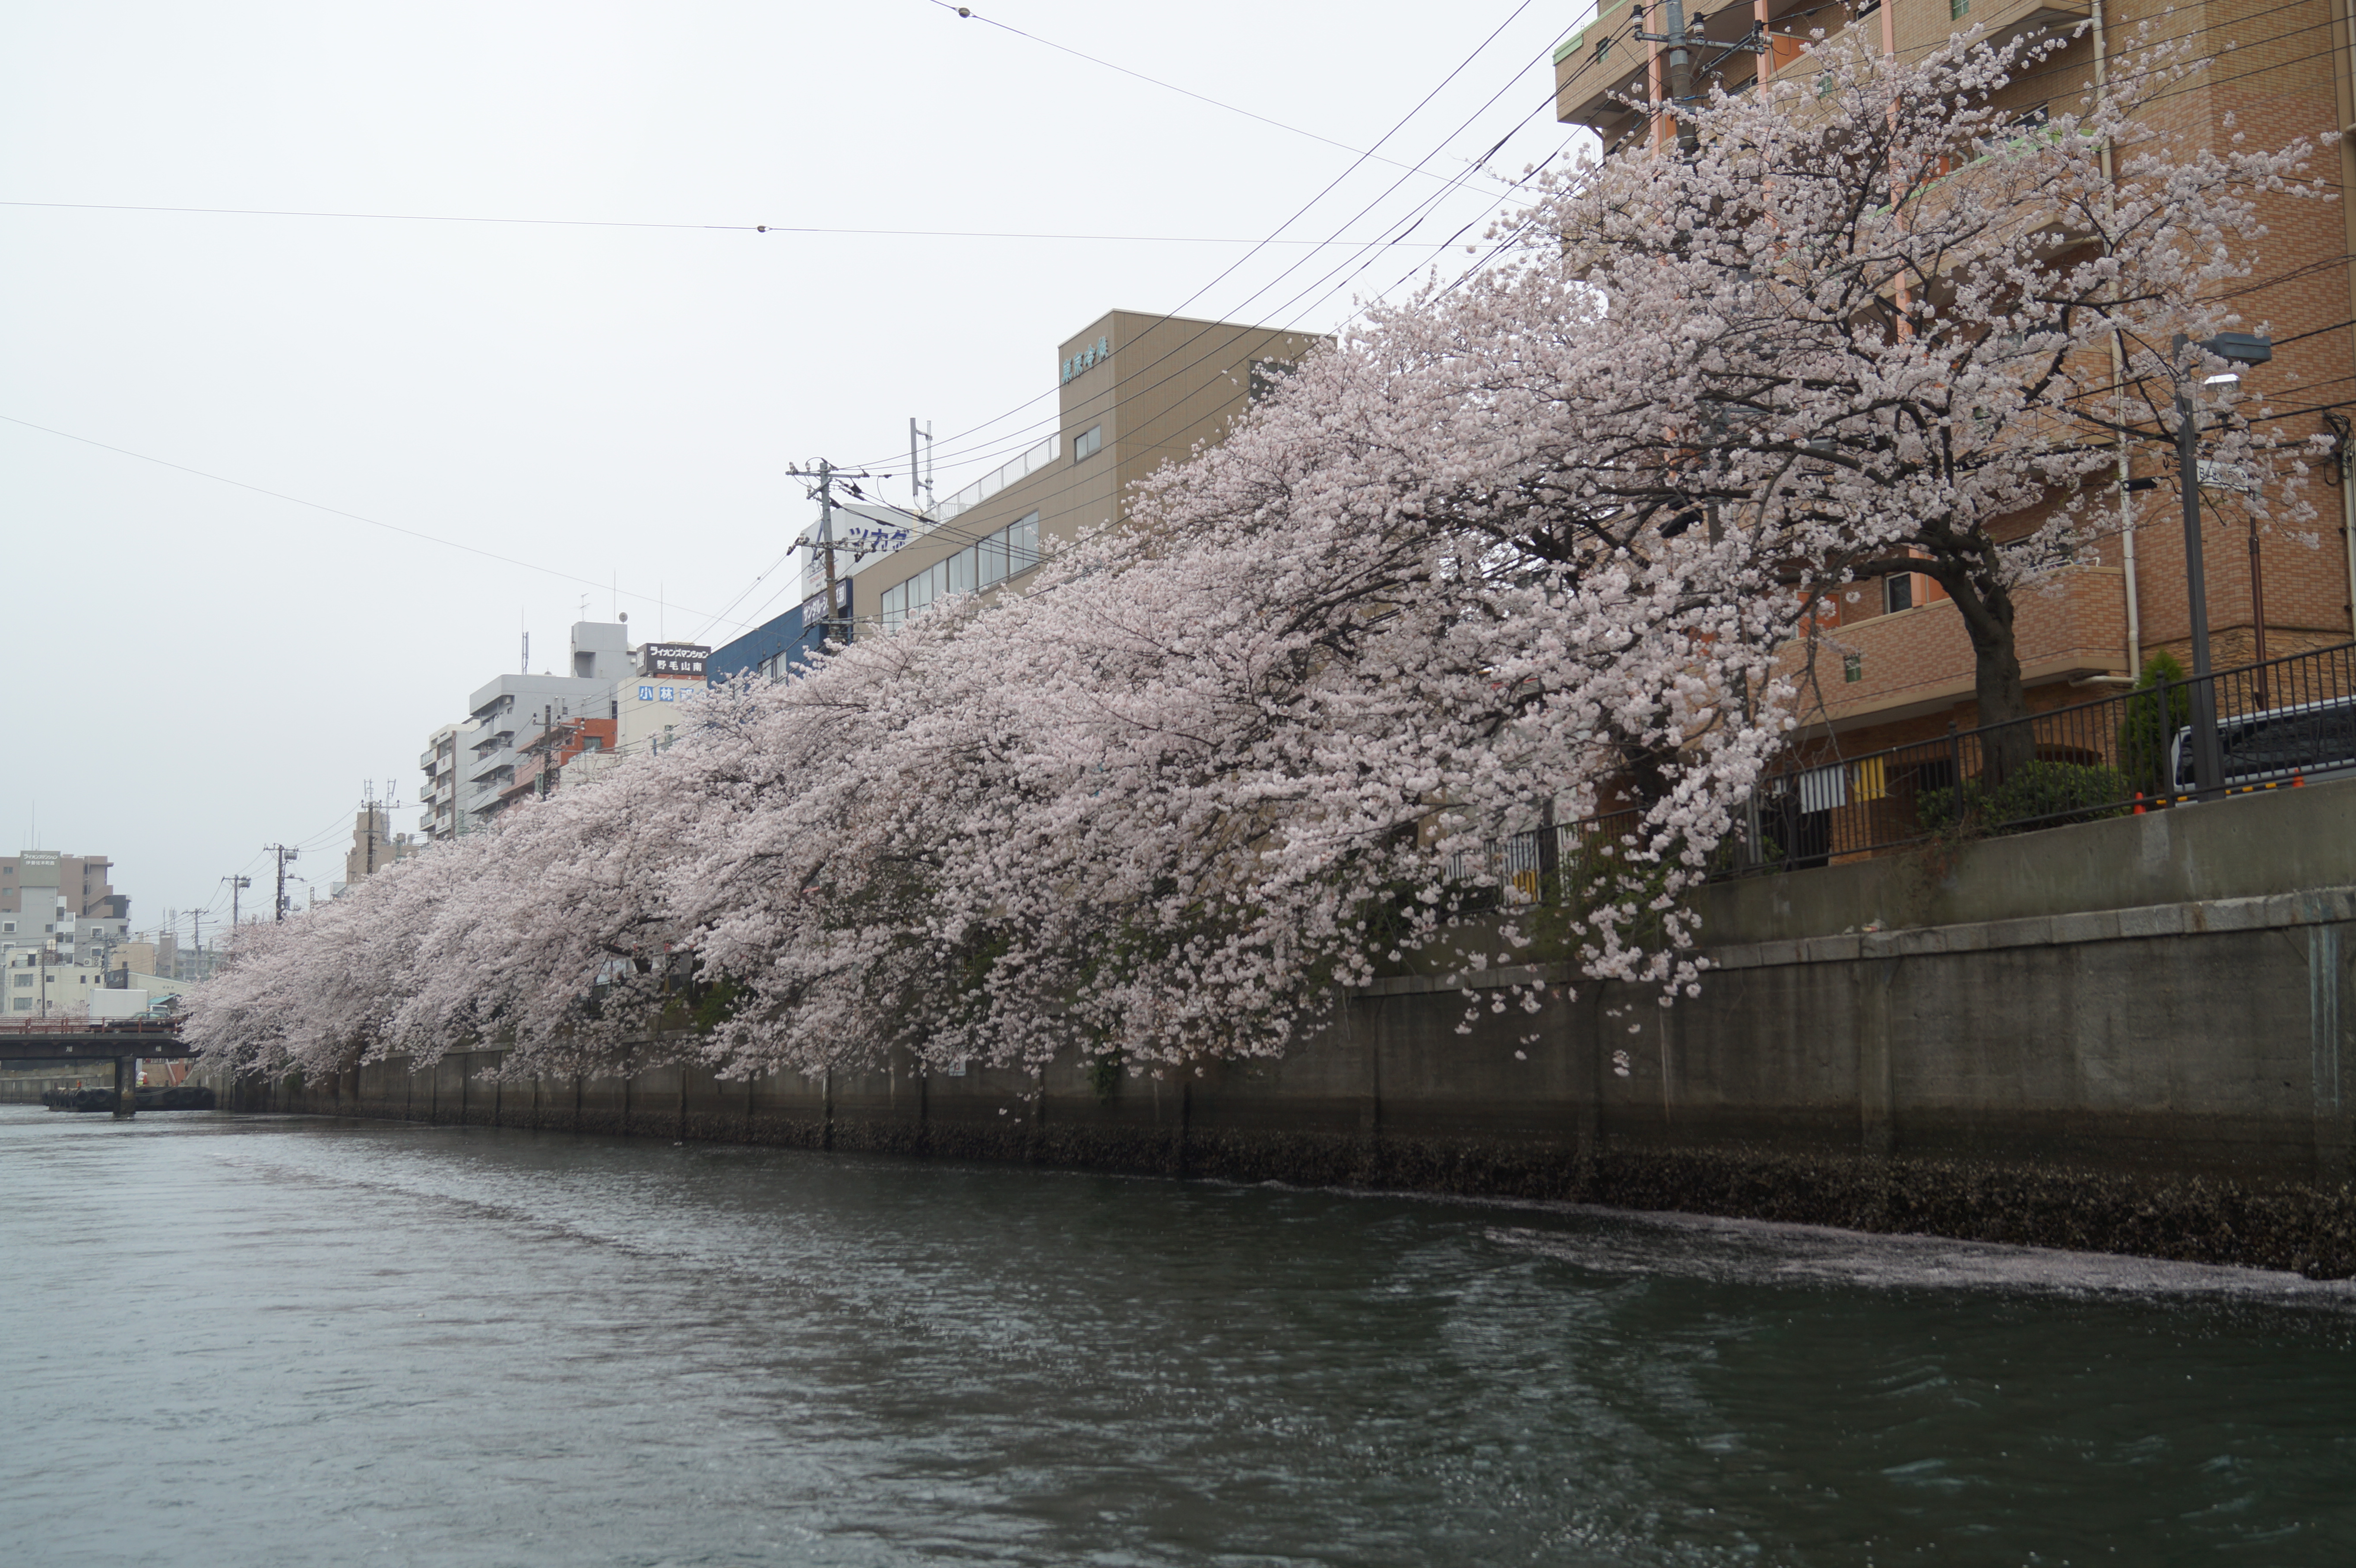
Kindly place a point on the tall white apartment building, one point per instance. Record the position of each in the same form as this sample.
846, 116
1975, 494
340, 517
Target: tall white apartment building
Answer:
467, 766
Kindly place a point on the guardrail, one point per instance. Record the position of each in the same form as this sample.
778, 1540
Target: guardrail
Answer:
90, 1026
999, 478
2280, 724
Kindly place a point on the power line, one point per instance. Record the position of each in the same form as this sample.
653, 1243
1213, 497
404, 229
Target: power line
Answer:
322, 507
1300, 213
712, 621
2248, 286
968, 13
1023, 436
700, 227
963, 537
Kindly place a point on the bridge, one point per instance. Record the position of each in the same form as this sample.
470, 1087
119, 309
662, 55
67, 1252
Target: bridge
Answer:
124, 1042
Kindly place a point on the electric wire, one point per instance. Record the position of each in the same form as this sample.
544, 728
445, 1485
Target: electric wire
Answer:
942, 533
968, 13
323, 506
1514, 234
1023, 437
1132, 449
1302, 212
719, 228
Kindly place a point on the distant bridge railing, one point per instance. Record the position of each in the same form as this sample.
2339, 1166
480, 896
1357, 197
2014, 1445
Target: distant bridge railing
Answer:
164, 1029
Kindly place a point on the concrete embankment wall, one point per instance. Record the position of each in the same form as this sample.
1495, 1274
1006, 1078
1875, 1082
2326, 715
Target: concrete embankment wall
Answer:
23, 1085
2127, 1035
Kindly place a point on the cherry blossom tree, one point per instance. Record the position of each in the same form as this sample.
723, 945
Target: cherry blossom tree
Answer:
1518, 549
1893, 298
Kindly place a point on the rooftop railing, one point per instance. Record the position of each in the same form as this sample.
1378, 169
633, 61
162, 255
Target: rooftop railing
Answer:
998, 479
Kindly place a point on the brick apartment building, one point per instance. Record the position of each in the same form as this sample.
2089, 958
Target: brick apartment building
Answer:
1899, 668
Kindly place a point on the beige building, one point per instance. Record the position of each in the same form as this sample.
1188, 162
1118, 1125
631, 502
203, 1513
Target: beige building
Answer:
1135, 391
44, 883
374, 844
151, 954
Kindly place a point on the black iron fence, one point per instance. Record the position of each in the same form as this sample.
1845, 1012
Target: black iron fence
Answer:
2280, 724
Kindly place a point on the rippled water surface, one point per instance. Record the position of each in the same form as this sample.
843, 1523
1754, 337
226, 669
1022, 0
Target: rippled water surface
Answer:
257, 1341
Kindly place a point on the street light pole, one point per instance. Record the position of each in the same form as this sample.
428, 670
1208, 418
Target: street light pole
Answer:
2208, 765
2238, 348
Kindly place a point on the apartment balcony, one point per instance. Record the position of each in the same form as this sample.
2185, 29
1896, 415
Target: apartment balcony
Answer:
1604, 63
1920, 662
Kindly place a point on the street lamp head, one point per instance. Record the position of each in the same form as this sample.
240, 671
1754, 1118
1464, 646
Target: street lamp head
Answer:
2234, 349
2241, 347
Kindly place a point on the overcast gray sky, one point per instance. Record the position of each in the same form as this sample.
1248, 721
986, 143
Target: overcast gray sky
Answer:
198, 669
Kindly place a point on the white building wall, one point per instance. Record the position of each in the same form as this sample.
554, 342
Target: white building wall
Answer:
513, 708
32, 990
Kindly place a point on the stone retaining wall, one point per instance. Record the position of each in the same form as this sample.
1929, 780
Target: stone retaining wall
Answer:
2159, 1077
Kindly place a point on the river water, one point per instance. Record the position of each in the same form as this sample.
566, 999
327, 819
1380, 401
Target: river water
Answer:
246, 1340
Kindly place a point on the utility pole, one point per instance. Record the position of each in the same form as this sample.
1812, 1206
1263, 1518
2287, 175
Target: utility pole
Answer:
284, 855
235, 886
826, 534
1681, 44
837, 625
920, 485
368, 811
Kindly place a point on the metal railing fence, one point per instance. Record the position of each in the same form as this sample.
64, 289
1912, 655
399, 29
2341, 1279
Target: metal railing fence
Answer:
2280, 724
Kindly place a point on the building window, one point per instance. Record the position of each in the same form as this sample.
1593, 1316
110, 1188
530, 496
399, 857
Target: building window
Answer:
24, 1004
1090, 441
1958, 9
1853, 667
1009, 553
1897, 592
1267, 376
